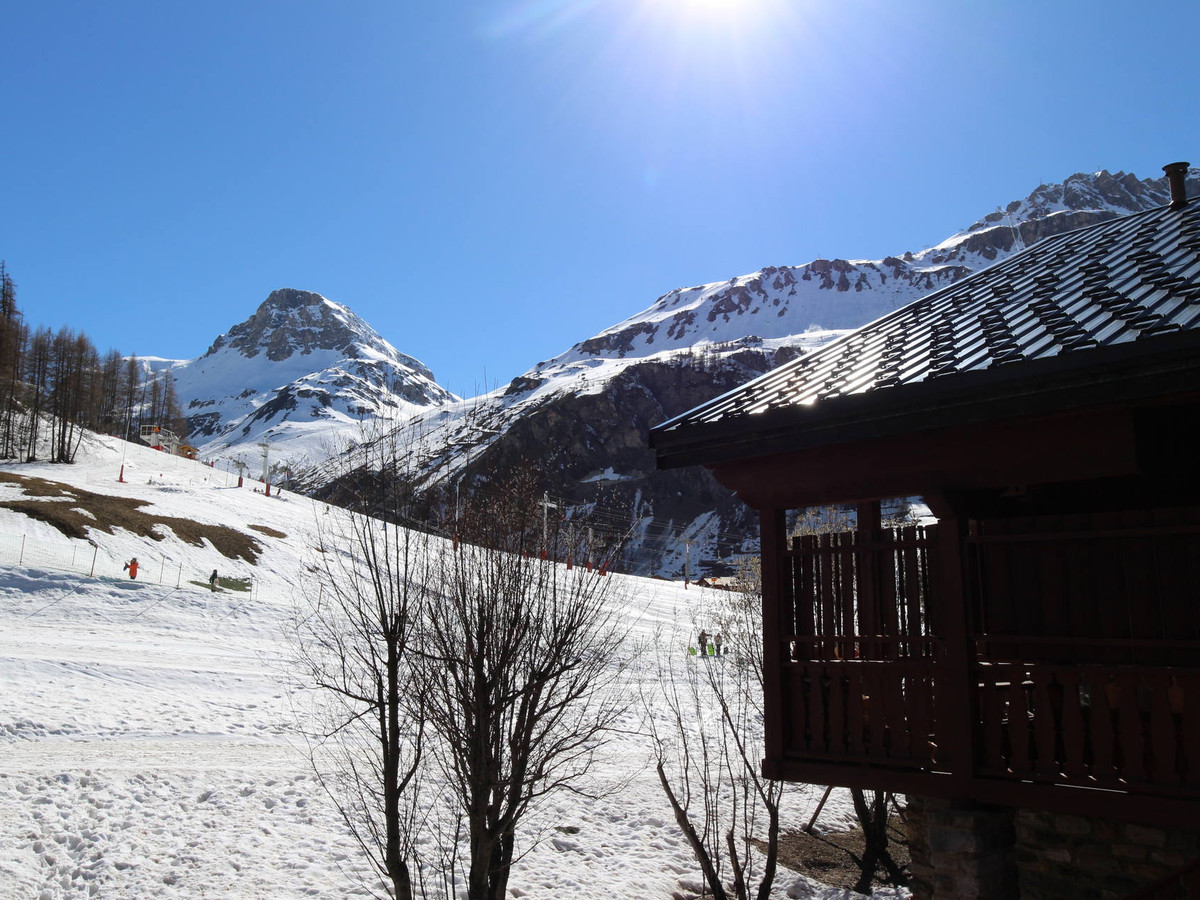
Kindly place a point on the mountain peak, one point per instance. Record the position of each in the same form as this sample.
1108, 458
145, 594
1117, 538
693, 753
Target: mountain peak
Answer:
300, 363
291, 298
293, 322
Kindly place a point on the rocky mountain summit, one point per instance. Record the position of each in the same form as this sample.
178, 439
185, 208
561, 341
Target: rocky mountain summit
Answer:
300, 366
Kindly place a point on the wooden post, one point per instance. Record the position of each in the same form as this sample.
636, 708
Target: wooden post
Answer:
870, 619
954, 724
775, 598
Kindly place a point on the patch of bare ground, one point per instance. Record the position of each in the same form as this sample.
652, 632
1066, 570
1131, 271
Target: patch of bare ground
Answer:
830, 858
268, 531
74, 511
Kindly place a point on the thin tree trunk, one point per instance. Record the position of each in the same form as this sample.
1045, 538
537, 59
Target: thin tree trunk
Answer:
736, 864
873, 818
693, 839
772, 856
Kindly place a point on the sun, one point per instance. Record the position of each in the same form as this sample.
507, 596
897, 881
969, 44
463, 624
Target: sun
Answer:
706, 8
717, 14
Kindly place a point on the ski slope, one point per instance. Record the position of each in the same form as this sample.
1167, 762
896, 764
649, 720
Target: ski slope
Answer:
148, 739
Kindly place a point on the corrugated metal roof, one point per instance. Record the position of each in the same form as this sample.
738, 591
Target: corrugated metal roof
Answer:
1123, 281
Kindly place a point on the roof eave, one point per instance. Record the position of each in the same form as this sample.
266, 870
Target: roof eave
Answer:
1123, 373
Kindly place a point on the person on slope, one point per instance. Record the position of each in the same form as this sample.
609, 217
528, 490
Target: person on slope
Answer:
132, 567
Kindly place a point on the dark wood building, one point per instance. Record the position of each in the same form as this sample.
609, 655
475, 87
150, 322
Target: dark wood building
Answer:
1039, 647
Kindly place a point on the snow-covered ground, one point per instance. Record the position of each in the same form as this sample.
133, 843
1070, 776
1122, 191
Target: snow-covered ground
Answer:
147, 739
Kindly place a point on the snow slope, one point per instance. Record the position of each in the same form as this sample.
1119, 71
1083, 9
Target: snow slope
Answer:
147, 739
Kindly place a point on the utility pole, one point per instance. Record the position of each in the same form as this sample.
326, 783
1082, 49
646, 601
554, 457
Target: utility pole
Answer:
687, 559
266, 448
546, 505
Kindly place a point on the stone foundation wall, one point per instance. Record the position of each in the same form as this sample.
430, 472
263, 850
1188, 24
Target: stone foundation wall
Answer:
967, 851
959, 850
1095, 859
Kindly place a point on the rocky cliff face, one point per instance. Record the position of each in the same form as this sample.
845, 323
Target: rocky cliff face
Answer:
585, 436
601, 463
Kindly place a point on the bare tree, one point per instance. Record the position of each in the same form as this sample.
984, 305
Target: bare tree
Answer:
13, 337
14, 342
708, 747
354, 645
522, 661
48, 381
131, 383
73, 365
37, 375
478, 673
873, 818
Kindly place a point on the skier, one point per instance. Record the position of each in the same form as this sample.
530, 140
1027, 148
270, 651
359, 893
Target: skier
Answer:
717, 644
703, 642
212, 580
132, 566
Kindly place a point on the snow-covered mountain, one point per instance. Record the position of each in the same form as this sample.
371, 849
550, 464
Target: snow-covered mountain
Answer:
301, 371
786, 302
589, 409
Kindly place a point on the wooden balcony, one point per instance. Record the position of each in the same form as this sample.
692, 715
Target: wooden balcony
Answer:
1052, 722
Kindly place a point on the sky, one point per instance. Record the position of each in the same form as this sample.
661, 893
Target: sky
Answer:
487, 182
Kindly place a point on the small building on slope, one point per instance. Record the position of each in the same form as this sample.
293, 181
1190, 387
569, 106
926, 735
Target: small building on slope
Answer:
1027, 670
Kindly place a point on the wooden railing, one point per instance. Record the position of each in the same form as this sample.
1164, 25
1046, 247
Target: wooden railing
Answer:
860, 676
862, 597
1115, 727
864, 675
862, 711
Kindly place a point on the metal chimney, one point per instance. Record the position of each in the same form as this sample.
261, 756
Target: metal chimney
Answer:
1176, 177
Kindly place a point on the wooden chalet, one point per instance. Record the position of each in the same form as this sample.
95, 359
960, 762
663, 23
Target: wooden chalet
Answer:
1039, 647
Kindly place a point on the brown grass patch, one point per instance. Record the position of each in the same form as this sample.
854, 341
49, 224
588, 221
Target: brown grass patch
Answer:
269, 532
827, 857
73, 511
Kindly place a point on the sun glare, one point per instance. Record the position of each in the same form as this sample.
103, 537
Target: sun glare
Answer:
718, 14
707, 8
711, 5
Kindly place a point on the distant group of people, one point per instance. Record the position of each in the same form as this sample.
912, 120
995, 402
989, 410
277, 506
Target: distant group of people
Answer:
706, 649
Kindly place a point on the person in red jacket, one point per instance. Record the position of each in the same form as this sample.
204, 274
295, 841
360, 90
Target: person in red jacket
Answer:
132, 566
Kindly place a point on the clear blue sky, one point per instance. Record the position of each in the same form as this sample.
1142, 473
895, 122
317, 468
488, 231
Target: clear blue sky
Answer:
488, 182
